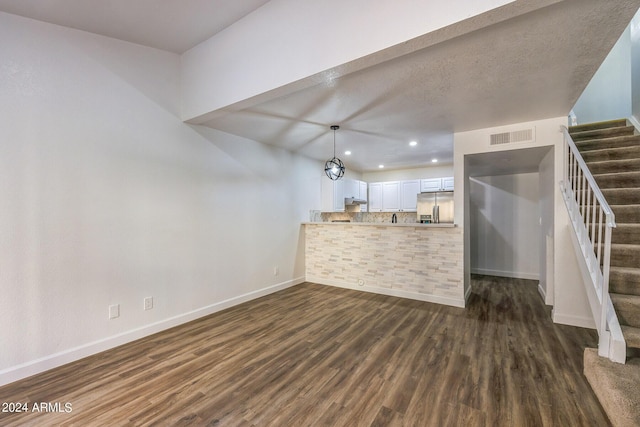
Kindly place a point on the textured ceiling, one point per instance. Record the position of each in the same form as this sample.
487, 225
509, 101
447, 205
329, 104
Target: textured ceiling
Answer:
526, 68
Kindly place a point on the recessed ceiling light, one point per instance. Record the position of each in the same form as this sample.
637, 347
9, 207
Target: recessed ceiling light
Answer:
434, 160
413, 143
381, 166
347, 153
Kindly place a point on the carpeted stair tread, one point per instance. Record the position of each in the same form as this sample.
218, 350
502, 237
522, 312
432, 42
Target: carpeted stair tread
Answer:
616, 386
611, 142
625, 255
598, 125
618, 180
626, 213
602, 133
622, 196
614, 166
627, 308
631, 336
617, 153
627, 234
624, 280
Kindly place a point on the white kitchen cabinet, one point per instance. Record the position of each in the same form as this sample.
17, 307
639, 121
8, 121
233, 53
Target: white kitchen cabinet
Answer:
436, 184
391, 195
375, 197
351, 188
409, 195
447, 183
362, 187
332, 193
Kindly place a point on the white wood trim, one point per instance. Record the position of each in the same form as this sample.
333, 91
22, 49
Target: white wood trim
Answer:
501, 273
42, 364
542, 293
454, 302
571, 320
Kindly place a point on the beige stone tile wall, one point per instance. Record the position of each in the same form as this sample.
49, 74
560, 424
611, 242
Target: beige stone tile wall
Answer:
416, 262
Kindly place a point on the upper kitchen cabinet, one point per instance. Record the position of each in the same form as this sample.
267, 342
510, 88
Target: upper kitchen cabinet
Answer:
375, 197
409, 195
436, 184
393, 196
332, 195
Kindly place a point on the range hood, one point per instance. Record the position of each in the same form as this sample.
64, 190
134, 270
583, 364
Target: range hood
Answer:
350, 201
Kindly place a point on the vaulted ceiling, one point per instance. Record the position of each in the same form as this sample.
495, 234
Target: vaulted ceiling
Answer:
531, 67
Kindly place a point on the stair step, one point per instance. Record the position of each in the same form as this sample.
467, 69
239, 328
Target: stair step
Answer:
626, 213
614, 166
602, 133
625, 255
612, 142
631, 336
618, 180
616, 386
624, 280
626, 233
598, 125
627, 308
613, 153
622, 196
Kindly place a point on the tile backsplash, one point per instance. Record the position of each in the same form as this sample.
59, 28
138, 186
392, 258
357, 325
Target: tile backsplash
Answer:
403, 217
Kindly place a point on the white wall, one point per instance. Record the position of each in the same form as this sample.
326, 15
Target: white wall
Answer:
570, 299
107, 198
505, 229
608, 94
264, 52
634, 34
436, 171
546, 188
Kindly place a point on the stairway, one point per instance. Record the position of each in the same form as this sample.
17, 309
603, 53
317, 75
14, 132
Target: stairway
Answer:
611, 150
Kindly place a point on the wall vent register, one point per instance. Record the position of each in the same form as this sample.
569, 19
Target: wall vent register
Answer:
524, 135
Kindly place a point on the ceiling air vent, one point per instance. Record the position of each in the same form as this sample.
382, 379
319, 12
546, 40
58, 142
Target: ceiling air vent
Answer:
525, 135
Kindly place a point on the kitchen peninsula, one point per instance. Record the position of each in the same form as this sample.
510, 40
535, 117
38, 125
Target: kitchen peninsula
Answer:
405, 259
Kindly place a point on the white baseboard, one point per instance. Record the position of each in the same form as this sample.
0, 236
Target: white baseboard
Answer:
635, 122
571, 320
501, 273
42, 364
454, 302
542, 292
467, 293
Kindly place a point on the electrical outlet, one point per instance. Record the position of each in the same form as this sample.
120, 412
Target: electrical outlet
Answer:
276, 270
114, 311
148, 303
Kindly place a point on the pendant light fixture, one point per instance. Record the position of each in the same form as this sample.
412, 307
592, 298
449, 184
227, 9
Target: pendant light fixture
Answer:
334, 168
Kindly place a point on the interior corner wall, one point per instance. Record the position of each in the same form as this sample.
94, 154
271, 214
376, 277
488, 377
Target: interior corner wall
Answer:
108, 198
608, 95
505, 225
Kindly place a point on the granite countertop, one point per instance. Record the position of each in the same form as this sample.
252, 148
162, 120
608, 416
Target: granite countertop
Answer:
384, 224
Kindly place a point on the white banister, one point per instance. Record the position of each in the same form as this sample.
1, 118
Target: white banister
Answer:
593, 221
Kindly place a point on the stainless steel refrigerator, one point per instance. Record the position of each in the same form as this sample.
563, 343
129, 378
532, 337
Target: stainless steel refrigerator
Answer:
435, 207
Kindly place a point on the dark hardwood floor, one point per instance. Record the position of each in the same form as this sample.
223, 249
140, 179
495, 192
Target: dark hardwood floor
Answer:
317, 355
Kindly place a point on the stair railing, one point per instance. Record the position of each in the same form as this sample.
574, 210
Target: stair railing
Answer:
593, 222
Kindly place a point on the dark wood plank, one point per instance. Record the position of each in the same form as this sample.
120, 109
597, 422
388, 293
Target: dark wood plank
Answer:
317, 355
